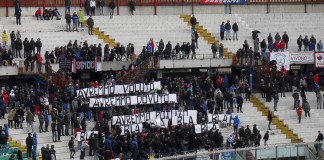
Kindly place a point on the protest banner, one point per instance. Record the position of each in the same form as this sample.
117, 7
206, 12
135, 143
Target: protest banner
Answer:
118, 89
133, 100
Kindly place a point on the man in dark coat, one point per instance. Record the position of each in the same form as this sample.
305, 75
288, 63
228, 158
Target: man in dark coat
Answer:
29, 144
193, 22
285, 38
235, 29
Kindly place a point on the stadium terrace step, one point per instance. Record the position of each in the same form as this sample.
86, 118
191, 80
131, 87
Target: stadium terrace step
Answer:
276, 121
206, 35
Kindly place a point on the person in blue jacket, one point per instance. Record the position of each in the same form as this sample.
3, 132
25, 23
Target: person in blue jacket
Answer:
108, 142
6, 130
34, 155
75, 22
46, 119
35, 140
222, 30
236, 123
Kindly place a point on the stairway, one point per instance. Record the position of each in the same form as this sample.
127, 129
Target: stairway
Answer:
137, 75
276, 121
101, 35
206, 35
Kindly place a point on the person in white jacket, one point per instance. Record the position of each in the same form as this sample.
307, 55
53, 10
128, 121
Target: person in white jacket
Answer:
93, 7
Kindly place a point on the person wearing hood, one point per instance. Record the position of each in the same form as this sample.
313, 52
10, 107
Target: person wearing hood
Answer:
80, 15
35, 140
236, 123
12, 98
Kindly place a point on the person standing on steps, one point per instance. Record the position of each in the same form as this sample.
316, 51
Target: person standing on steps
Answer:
90, 24
266, 138
29, 144
239, 103
269, 119
112, 7
222, 30
193, 22
228, 28
75, 20
80, 15
132, 6
67, 6
71, 148
319, 98
214, 50
285, 38
235, 29
299, 113
101, 4
296, 99
275, 100
18, 14
93, 7
87, 7
54, 131
306, 107
196, 39
68, 22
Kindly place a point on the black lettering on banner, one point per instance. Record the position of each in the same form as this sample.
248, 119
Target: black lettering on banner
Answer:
137, 118
203, 128
119, 121
112, 101
100, 90
151, 86
96, 103
185, 113
142, 117
156, 98
180, 120
139, 99
126, 128
131, 88
144, 99
217, 117
162, 125
158, 115
106, 90
111, 89
148, 116
137, 128
106, 102
128, 100
214, 127
165, 98
91, 92
127, 119
122, 101
150, 98
191, 120
80, 93
214, 119
225, 118
133, 119
85, 92
141, 87
117, 99
125, 87
95, 92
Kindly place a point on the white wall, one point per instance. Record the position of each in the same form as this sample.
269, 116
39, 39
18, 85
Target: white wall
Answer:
8, 70
195, 63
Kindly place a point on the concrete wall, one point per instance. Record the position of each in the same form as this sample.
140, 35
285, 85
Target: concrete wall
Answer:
198, 9
8, 70
195, 63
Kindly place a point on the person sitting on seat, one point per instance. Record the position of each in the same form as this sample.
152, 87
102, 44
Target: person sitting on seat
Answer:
38, 13
56, 14
45, 15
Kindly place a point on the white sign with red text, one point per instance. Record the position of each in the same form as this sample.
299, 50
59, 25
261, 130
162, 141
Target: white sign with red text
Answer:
302, 58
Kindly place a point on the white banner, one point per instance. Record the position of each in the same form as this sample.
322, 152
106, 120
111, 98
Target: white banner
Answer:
133, 100
282, 59
200, 128
83, 136
118, 89
302, 58
319, 60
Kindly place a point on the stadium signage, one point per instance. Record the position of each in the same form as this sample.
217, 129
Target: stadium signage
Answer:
319, 60
65, 65
282, 59
133, 100
222, 2
118, 89
301, 57
80, 66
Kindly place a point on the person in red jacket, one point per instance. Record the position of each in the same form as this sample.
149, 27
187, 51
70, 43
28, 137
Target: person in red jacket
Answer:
283, 70
276, 46
299, 113
316, 78
39, 63
282, 46
5, 97
38, 14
